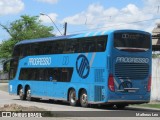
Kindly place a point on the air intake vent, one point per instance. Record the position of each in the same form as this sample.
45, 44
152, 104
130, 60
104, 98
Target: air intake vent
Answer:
99, 75
99, 93
131, 71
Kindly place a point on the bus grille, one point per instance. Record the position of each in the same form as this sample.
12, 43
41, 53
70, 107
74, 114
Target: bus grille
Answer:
99, 93
131, 71
98, 74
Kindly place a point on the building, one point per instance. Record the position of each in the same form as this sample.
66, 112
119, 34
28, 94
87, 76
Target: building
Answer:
156, 38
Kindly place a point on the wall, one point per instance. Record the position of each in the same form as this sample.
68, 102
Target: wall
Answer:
155, 89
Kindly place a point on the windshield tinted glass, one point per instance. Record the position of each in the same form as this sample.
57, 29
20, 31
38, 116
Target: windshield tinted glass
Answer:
132, 42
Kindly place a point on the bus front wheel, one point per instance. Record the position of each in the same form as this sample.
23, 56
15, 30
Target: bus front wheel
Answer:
72, 97
84, 99
28, 94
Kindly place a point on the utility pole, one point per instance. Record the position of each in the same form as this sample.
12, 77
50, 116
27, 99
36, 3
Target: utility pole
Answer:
65, 28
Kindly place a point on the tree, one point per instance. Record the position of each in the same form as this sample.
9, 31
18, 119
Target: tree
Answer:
28, 27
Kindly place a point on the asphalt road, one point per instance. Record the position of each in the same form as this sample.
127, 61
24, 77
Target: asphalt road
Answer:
5, 98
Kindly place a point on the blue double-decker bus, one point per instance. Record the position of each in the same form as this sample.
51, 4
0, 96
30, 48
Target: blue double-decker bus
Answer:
109, 67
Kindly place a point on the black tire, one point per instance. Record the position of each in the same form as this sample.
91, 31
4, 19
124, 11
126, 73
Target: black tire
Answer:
121, 106
84, 99
21, 94
72, 97
28, 94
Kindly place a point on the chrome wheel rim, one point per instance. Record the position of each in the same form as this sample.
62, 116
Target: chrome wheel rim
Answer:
21, 93
28, 93
73, 97
84, 99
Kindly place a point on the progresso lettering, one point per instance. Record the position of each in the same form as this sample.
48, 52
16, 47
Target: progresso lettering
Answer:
40, 61
132, 60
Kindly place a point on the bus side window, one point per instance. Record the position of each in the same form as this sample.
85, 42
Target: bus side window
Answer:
21, 76
49, 74
64, 75
76, 46
41, 74
101, 45
69, 46
91, 47
57, 45
47, 47
60, 46
24, 74
40, 50
33, 74
26, 50
55, 74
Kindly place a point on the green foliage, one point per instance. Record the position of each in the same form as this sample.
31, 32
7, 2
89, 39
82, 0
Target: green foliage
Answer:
150, 105
155, 55
6, 48
28, 27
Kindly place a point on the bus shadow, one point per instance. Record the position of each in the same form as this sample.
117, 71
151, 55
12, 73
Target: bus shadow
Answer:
98, 107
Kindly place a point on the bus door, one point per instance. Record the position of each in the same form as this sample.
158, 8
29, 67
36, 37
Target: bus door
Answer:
51, 82
56, 82
59, 82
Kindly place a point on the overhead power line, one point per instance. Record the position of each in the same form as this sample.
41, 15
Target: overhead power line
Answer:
114, 25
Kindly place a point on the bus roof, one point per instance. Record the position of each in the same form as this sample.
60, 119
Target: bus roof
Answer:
88, 34
80, 35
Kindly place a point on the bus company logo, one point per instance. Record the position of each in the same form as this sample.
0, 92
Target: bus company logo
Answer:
131, 60
82, 66
40, 61
125, 84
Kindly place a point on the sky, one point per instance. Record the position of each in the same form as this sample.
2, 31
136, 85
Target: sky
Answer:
83, 15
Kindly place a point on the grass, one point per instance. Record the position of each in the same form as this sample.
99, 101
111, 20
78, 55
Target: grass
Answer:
150, 105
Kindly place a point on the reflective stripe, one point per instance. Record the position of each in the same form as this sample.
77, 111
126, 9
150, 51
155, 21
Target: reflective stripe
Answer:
92, 59
116, 83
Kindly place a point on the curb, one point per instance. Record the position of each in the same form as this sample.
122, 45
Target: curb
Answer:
144, 108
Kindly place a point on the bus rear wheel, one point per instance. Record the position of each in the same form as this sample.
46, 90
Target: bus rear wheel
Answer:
84, 99
28, 94
72, 97
21, 94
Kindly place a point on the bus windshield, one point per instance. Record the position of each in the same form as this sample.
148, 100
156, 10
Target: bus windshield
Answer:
132, 42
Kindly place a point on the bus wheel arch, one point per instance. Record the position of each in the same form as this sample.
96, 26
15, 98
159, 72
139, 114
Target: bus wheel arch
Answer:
20, 92
28, 92
83, 97
72, 96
